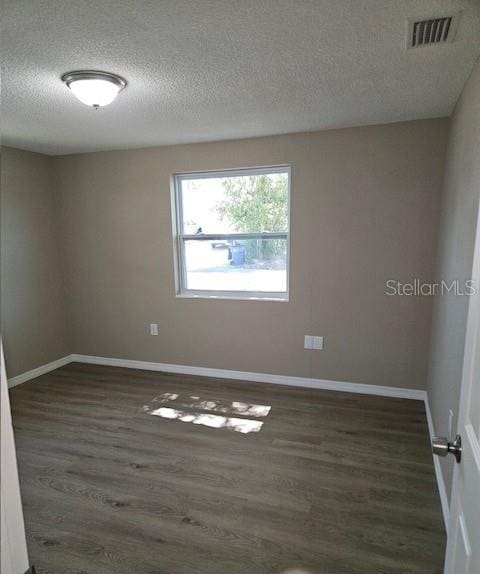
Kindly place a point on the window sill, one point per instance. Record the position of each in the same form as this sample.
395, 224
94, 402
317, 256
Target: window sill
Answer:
233, 297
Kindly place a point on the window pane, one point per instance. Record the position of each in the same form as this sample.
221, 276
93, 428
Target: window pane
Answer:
242, 203
247, 265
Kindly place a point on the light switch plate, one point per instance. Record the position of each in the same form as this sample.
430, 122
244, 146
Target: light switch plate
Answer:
153, 329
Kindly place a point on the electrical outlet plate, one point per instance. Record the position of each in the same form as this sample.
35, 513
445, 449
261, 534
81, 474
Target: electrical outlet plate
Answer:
308, 342
314, 342
318, 343
153, 329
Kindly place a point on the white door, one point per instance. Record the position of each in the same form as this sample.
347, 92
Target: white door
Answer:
14, 557
463, 547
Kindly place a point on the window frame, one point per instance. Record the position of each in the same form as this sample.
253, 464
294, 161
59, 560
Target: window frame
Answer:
179, 237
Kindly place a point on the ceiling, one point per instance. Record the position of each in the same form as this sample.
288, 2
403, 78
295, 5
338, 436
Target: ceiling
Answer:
203, 70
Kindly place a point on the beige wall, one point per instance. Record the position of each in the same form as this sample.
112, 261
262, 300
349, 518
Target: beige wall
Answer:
455, 255
33, 305
365, 205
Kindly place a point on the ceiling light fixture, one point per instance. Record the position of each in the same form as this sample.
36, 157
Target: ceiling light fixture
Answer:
94, 88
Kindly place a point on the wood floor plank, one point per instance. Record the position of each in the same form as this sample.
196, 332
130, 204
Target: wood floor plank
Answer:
333, 483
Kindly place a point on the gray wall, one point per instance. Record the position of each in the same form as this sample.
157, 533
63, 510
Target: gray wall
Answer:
33, 303
455, 256
365, 207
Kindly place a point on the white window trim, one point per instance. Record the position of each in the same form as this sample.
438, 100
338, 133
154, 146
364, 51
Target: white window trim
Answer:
179, 237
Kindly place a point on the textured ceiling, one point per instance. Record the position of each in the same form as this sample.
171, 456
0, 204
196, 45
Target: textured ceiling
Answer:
201, 70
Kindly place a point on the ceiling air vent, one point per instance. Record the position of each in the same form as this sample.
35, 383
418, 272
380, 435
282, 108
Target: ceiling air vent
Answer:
431, 31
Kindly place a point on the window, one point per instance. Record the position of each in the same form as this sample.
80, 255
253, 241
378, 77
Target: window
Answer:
232, 233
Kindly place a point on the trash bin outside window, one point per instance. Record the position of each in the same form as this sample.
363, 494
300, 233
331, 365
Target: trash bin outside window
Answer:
237, 253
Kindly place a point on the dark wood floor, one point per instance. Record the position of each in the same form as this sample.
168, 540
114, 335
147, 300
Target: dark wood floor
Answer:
332, 482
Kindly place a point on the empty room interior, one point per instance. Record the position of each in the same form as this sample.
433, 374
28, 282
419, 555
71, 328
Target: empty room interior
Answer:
240, 287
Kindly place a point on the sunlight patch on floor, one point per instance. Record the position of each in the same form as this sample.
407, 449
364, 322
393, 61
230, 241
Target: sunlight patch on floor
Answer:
218, 406
188, 409
208, 420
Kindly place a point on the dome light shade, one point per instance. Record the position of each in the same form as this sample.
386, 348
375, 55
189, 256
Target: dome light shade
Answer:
94, 88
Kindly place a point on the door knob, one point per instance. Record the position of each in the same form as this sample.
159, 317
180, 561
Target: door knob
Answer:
441, 446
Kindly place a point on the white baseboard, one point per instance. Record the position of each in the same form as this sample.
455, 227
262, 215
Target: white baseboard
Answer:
438, 471
24, 377
324, 384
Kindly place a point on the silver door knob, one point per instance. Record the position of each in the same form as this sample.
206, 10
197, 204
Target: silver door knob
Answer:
441, 446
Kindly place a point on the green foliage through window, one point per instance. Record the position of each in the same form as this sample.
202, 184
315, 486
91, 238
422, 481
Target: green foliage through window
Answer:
256, 204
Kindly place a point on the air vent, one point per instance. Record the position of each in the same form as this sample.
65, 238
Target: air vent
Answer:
431, 31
